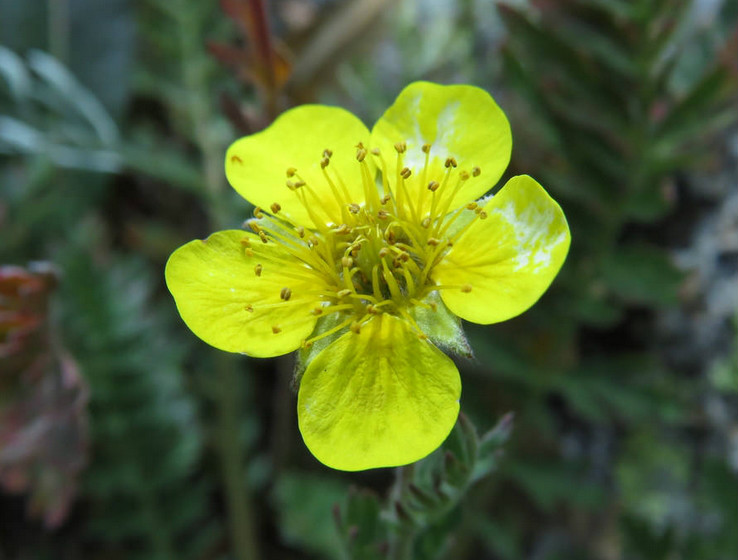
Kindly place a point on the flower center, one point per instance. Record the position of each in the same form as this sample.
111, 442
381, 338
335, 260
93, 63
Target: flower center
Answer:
378, 255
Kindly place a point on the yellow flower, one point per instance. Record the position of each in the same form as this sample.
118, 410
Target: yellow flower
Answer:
364, 248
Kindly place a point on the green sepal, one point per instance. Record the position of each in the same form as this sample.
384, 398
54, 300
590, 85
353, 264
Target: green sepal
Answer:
306, 355
442, 327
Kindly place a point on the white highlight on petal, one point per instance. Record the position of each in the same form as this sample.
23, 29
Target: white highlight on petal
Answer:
531, 228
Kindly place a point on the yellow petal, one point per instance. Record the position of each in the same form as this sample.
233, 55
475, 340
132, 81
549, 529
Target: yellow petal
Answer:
508, 259
380, 398
256, 165
222, 299
458, 121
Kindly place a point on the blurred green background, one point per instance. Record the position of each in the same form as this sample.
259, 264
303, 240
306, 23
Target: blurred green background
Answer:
124, 436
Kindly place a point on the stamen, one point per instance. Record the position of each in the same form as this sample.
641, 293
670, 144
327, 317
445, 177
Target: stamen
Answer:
309, 342
389, 278
342, 200
285, 294
257, 269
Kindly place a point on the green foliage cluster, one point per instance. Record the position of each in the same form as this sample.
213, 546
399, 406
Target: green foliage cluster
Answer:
145, 495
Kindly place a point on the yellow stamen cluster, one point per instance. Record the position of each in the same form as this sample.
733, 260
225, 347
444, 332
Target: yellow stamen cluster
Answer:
374, 255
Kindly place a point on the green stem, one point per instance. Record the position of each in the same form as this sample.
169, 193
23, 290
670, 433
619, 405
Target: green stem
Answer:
232, 458
59, 29
401, 547
238, 500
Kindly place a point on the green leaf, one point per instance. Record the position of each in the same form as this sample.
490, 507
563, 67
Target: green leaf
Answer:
304, 503
643, 275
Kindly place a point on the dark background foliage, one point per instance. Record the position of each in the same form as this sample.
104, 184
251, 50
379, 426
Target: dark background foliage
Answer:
623, 380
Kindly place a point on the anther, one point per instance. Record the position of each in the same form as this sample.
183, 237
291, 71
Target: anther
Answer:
236, 159
317, 311
301, 231
390, 237
343, 293
433, 186
257, 212
254, 227
464, 175
372, 310
405, 173
433, 241
450, 162
383, 252
275, 207
245, 242
375, 151
354, 208
471, 206
483, 215
355, 327
285, 294
382, 214
257, 269
347, 262
291, 171
360, 154
385, 199
342, 229
249, 308
327, 153
263, 237
425, 222
476, 172
401, 147
292, 185
466, 288
478, 210
324, 162
426, 148
404, 256
249, 252
276, 329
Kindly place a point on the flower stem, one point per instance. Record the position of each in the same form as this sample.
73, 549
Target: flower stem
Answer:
238, 500
229, 446
401, 547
